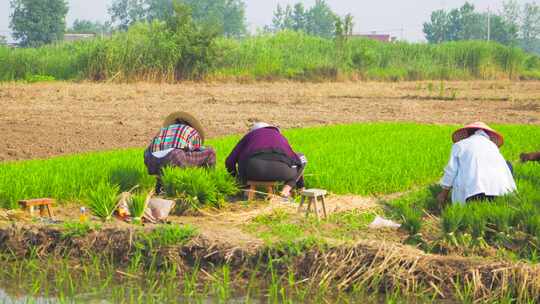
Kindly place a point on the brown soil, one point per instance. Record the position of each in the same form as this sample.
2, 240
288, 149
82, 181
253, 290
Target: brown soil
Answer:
42, 120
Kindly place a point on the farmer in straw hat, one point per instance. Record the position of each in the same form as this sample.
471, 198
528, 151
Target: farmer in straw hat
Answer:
476, 170
179, 143
525, 157
264, 154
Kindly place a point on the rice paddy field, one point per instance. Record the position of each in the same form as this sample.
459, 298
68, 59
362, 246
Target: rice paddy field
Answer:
379, 148
371, 169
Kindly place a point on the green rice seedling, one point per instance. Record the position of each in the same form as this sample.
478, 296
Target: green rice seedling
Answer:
361, 160
72, 229
452, 218
167, 235
475, 219
412, 220
137, 205
103, 200
126, 177
202, 186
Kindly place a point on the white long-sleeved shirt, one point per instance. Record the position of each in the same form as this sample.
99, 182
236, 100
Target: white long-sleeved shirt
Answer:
476, 166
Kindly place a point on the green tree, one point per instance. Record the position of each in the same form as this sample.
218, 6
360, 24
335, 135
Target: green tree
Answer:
321, 20
125, 13
196, 42
465, 23
284, 19
436, 30
226, 15
299, 18
159, 9
530, 27
502, 31
3, 40
38, 22
318, 20
87, 26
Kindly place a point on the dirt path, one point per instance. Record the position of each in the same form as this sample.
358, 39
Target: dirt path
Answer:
43, 120
227, 226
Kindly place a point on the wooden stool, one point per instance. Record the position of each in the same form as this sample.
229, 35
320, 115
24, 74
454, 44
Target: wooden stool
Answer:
269, 186
313, 195
41, 203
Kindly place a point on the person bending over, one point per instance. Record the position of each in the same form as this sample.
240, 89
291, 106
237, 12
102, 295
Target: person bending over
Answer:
179, 143
264, 154
476, 170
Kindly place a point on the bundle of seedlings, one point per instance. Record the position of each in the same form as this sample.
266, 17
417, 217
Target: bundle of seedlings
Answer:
103, 200
137, 204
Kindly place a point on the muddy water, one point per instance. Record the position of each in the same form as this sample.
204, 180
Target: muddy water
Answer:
6, 298
22, 299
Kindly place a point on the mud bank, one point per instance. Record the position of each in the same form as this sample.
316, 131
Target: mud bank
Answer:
376, 266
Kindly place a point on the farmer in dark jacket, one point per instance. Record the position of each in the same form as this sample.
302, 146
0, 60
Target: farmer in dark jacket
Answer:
264, 154
179, 143
525, 157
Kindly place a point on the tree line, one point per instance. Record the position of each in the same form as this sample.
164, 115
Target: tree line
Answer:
514, 25
38, 22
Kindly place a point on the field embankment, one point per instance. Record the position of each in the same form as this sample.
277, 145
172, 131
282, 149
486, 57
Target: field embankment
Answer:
193, 267
48, 119
153, 53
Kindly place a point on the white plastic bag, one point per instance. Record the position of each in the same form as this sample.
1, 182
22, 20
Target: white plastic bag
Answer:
380, 222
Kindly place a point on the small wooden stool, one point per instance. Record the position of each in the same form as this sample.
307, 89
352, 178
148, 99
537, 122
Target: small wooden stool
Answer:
40, 203
269, 186
313, 195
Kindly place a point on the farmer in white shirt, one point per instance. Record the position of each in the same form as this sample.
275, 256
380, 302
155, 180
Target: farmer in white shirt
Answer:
476, 170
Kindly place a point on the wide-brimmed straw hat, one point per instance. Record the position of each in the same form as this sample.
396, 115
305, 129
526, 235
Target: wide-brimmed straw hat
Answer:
465, 133
184, 117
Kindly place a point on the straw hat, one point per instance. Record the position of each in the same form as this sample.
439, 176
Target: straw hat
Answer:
465, 133
188, 119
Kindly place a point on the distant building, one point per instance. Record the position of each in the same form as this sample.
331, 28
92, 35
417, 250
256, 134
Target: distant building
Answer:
76, 37
378, 37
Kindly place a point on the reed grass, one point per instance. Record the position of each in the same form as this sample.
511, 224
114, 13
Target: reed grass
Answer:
150, 52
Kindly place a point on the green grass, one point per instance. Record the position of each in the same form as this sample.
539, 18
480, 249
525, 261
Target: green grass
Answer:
150, 52
364, 159
166, 235
72, 229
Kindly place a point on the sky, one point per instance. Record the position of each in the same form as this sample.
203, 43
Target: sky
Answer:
400, 18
